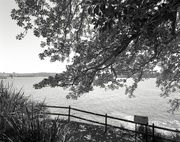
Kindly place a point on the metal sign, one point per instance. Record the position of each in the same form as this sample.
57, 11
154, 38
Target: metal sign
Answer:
141, 119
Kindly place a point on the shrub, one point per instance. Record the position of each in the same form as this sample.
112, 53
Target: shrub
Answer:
22, 120
11, 102
158, 136
175, 137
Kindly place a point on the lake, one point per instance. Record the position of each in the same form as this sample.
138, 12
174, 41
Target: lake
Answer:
115, 103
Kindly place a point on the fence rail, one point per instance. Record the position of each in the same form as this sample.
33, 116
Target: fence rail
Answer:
106, 125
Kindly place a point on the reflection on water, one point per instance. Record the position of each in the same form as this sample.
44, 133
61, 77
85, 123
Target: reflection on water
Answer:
115, 103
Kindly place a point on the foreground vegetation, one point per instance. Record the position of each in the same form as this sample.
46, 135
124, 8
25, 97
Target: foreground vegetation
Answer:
22, 120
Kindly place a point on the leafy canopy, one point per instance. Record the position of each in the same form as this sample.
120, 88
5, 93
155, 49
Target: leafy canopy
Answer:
108, 39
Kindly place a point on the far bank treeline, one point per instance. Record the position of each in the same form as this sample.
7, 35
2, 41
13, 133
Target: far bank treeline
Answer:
42, 74
146, 75
151, 75
45, 74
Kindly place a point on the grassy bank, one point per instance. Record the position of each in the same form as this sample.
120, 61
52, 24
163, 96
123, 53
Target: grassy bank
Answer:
22, 120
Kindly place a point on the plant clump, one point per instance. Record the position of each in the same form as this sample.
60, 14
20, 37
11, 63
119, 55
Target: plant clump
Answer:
22, 120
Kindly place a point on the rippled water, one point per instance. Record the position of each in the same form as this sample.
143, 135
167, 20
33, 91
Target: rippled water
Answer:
115, 103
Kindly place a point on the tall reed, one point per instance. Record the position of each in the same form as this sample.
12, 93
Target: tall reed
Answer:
22, 120
11, 102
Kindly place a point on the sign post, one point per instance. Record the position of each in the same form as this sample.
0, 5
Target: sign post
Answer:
140, 120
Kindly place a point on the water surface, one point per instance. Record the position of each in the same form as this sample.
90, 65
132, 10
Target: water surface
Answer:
115, 103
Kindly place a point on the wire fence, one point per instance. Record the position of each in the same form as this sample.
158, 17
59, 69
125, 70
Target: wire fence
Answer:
148, 131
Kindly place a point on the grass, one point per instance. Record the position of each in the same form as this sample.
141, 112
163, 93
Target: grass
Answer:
93, 133
158, 136
22, 120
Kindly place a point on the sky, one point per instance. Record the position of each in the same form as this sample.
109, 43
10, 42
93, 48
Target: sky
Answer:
20, 56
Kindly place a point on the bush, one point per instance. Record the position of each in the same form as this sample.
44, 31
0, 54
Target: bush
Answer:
23, 121
11, 102
158, 137
175, 137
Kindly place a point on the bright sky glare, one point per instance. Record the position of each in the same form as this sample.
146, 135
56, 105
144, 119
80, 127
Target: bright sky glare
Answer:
20, 56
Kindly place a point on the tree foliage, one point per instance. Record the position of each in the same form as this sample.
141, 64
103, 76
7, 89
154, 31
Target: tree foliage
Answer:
108, 39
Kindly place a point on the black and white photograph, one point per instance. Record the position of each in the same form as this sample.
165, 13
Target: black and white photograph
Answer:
89, 70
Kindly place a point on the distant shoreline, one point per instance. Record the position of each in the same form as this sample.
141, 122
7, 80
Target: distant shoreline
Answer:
41, 74
47, 74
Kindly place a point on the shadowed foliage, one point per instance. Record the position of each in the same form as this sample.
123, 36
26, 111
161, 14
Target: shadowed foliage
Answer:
24, 121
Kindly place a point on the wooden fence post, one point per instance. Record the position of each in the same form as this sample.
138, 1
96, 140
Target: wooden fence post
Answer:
2, 121
153, 132
135, 131
146, 132
69, 114
106, 123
